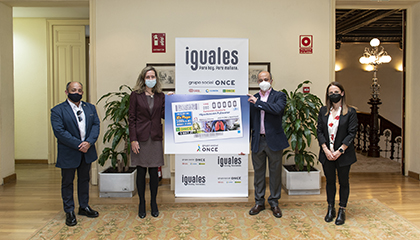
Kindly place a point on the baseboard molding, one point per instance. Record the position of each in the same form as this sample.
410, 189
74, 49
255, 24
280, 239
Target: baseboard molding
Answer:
10, 178
414, 175
31, 161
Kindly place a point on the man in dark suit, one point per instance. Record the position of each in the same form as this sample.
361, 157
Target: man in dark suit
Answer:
76, 127
268, 141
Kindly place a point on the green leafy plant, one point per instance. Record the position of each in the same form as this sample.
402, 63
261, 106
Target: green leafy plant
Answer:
116, 110
299, 124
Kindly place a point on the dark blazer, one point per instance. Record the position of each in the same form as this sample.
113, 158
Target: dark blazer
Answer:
346, 133
141, 122
274, 108
66, 130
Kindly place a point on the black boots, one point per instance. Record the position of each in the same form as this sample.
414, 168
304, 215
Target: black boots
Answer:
154, 207
341, 218
330, 214
142, 210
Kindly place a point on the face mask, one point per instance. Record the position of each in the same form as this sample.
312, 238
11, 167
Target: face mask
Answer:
335, 98
151, 83
74, 97
264, 86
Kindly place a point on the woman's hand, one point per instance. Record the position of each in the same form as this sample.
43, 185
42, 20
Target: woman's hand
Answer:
135, 147
329, 154
336, 154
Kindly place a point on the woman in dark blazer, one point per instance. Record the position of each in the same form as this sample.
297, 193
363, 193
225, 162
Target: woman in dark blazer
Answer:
337, 127
147, 108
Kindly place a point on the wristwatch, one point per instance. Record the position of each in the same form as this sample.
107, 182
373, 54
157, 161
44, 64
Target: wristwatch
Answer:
341, 150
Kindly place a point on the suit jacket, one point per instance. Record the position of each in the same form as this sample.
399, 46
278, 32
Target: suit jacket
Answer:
141, 122
66, 130
347, 129
274, 108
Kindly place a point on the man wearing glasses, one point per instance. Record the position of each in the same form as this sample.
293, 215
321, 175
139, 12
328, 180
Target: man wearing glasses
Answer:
76, 126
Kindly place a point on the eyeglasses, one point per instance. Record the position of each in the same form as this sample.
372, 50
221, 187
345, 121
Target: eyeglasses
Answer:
78, 115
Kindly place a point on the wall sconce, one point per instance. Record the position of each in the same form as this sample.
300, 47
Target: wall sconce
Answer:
338, 67
400, 68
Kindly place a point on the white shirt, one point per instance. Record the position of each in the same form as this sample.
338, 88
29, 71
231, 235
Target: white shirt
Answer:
80, 118
333, 122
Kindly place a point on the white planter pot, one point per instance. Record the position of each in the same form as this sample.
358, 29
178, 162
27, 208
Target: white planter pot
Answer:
302, 182
117, 184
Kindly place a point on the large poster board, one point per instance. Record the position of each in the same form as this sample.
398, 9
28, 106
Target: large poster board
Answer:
207, 120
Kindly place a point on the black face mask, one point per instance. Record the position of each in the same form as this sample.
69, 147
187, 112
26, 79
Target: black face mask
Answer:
335, 97
75, 97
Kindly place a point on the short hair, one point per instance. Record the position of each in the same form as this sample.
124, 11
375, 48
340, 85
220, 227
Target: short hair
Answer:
68, 85
271, 76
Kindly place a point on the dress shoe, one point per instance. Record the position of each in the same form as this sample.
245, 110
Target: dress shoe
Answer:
276, 212
71, 219
88, 212
142, 214
142, 210
341, 217
256, 209
155, 214
330, 213
154, 207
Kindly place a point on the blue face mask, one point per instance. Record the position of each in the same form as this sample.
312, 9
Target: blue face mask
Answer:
74, 97
151, 83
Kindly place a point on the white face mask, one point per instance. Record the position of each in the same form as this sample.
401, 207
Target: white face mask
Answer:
264, 86
151, 83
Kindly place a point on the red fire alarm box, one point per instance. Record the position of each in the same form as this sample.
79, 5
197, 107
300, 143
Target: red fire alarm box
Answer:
305, 44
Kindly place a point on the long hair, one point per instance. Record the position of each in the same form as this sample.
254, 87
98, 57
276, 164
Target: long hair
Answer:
344, 106
140, 86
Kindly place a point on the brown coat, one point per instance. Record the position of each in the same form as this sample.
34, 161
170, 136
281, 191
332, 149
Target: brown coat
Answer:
141, 122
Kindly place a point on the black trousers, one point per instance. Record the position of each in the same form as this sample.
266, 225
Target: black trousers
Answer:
141, 187
331, 170
67, 179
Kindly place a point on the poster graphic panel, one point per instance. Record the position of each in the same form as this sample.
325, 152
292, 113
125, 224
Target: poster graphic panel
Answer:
211, 66
201, 124
211, 175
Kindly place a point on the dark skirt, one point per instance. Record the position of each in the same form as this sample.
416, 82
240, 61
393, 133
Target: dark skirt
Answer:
150, 155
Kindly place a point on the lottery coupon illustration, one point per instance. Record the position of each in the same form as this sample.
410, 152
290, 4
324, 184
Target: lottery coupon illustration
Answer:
207, 119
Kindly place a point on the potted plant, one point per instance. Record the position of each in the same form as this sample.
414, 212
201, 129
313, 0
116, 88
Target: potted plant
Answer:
299, 124
119, 179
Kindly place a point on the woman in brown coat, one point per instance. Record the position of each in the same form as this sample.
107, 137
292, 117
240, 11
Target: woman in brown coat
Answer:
147, 108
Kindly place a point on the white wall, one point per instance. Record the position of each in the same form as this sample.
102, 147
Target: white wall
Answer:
123, 41
7, 164
412, 131
30, 75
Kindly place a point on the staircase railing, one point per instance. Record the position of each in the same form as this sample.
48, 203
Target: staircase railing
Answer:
388, 131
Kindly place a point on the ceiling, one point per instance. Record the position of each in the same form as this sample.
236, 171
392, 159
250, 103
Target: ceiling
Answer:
361, 25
